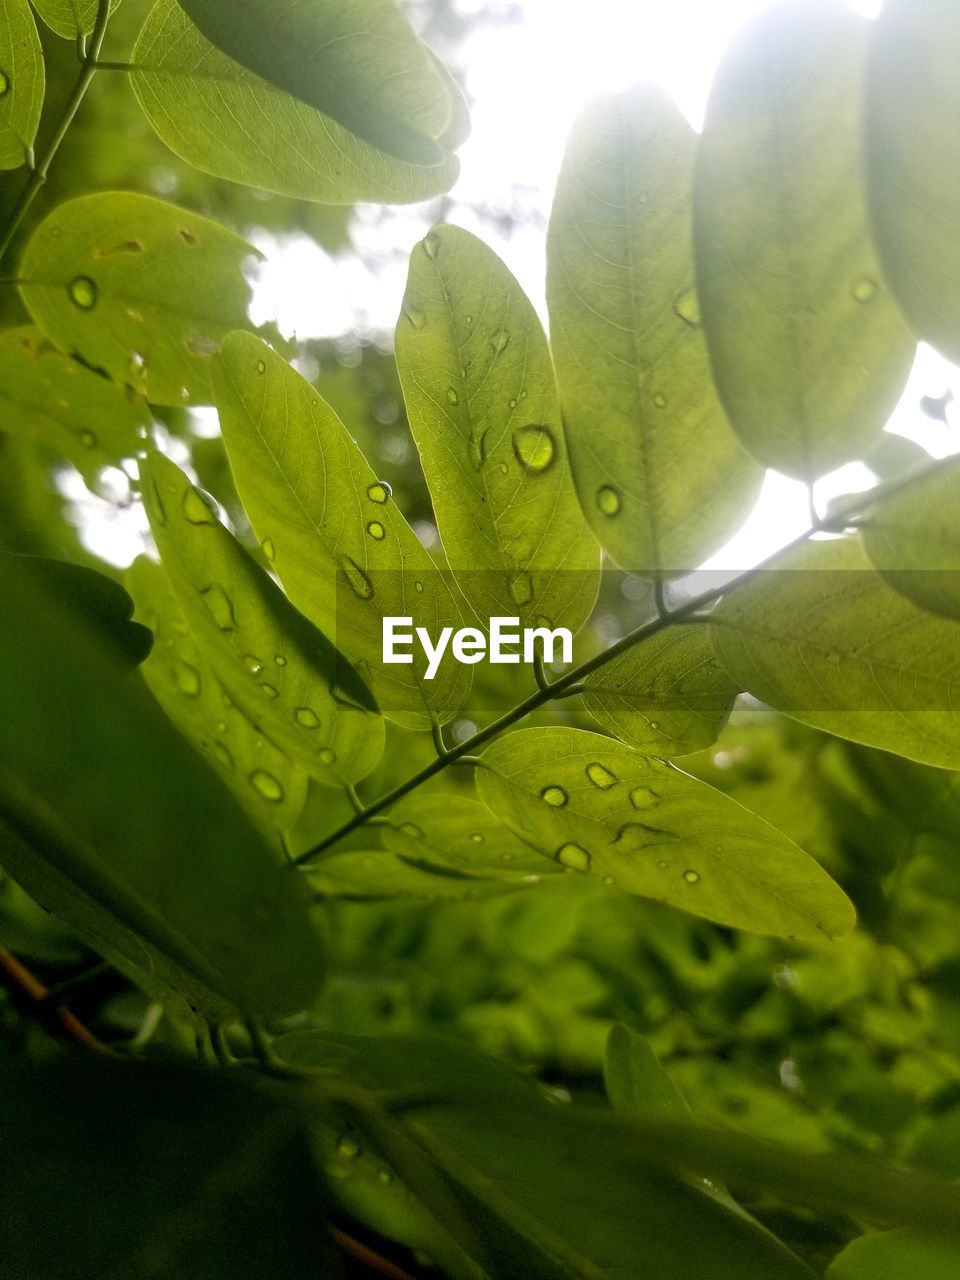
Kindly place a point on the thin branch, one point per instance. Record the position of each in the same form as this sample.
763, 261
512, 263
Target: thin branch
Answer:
356, 1249
19, 980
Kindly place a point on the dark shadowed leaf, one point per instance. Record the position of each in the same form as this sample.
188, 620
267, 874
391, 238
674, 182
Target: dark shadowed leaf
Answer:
894, 1255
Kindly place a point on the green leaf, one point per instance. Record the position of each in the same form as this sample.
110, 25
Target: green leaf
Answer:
21, 83
894, 1255
111, 822
912, 538
650, 829
98, 600
212, 1170
666, 696
70, 18
57, 402
913, 162
358, 61
825, 640
285, 675
662, 478
482, 403
138, 288
635, 1081
182, 679
808, 351
344, 553
225, 120
374, 875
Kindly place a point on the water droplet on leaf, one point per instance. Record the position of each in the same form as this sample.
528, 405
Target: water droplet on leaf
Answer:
864, 289
266, 785
253, 664
411, 829
574, 856
261, 366
348, 1148
608, 500
687, 307
359, 582
477, 449
601, 777
431, 245
660, 400
644, 798
379, 492
307, 718
222, 755
521, 589
555, 796
376, 530
83, 293
188, 680
692, 877
452, 396
88, 439
534, 448
220, 606
499, 340
413, 315
270, 690
327, 756
199, 507
4, 83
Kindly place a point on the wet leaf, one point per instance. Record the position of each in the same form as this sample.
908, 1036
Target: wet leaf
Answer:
21, 83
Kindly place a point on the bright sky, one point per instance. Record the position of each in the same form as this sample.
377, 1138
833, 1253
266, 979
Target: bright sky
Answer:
527, 81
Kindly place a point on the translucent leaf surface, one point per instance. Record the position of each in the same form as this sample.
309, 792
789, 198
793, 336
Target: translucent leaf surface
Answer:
646, 827
289, 680
824, 639
225, 120
893, 1255
55, 401
661, 476
344, 553
358, 61
138, 288
808, 350
666, 696
110, 821
21, 83
913, 162
482, 402
182, 679
70, 18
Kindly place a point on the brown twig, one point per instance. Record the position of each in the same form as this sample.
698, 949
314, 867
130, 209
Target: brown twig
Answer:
18, 979
371, 1259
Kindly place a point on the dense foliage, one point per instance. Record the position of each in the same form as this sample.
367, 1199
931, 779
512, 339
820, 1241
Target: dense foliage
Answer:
642, 965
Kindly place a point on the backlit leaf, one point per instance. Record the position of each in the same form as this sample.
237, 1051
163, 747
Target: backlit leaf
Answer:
808, 351
286, 676
70, 18
225, 120
661, 476
666, 696
138, 288
57, 402
358, 61
182, 679
894, 1255
344, 553
21, 83
482, 403
913, 162
111, 822
634, 1079
646, 827
824, 639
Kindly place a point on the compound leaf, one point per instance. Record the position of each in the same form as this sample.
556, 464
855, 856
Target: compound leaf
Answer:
662, 478
646, 827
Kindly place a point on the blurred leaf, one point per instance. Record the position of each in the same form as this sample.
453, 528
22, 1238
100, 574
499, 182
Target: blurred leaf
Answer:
99, 601
808, 351
634, 1079
181, 678
70, 18
138, 288
666, 696
58, 402
646, 827
157, 1171
913, 162
112, 823
284, 674
377, 874
662, 478
824, 639
359, 61
894, 1255
21, 83
224, 119
912, 538
342, 550
482, 402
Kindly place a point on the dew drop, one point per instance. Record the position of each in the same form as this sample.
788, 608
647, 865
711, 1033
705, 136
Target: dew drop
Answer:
253, 664
663, 864
376, 530
160, 511
499, 340
327, 756
4, 83
83, 293
269, 550
477, 449
644, 798
534, 448
188, 679
220, 606
608, 500
411, 829
431, 245
418, 587
222, 755
601, 777
270, 690
452, 396
384, 1177
555, 796
413, 315
358, 580
266, 785
864, 289
307, 718
521, 589
88, 439
199, 507
379, 492
609, 880
692, 877
280, 660
513, 404
348, 1148
574, 856
660, 400
261, 366
687, 307
502, 468
137, 365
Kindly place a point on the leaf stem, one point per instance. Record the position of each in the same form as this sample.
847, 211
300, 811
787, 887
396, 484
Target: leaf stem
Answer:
88, 69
